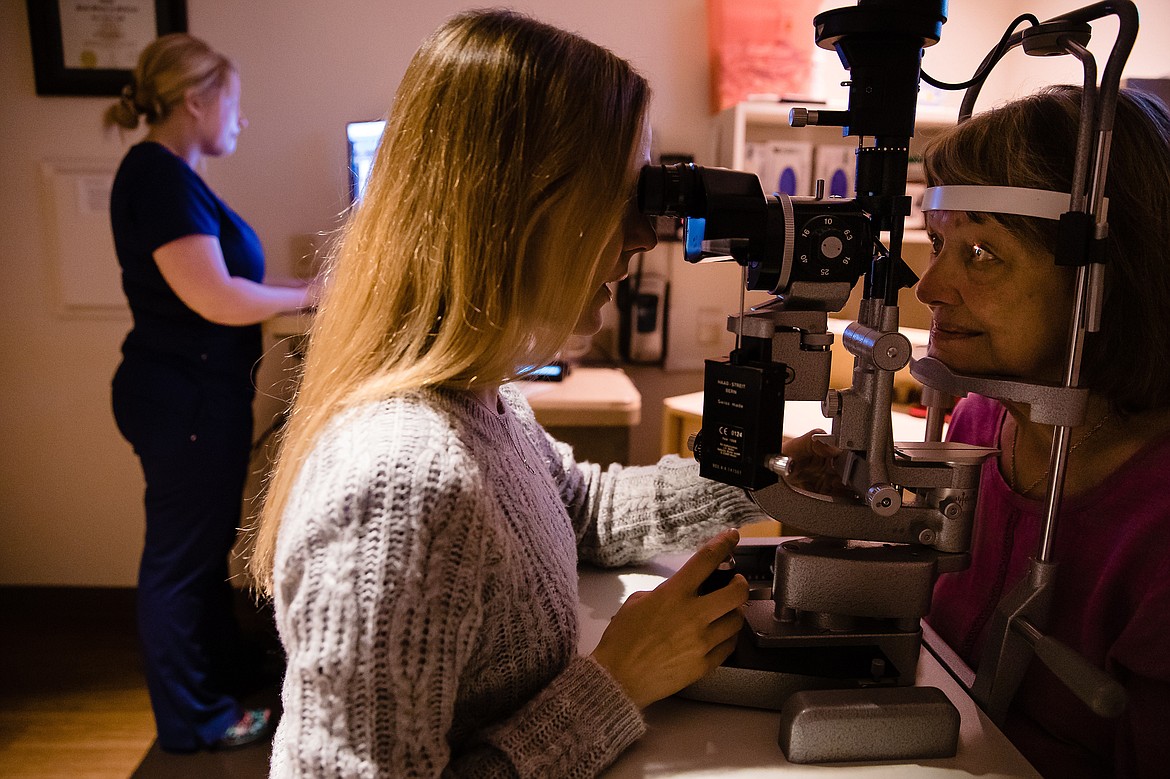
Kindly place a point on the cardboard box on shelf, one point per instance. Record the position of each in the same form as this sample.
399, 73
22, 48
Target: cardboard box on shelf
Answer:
791, 167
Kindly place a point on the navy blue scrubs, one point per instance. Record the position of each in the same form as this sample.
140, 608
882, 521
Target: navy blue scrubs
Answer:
182, 397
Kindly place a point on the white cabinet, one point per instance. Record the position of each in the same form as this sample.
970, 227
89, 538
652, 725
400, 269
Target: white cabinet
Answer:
761, 121
751, 126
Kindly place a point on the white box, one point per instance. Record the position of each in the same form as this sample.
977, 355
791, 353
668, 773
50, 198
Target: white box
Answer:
755, 158
836, 165
916, 220
790, 168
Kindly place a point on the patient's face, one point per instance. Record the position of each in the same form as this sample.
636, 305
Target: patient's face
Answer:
999, 306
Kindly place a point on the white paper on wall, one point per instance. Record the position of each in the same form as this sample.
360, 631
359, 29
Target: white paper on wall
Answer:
916, 220
78, 238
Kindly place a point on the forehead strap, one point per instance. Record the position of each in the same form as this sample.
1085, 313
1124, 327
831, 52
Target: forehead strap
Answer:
1040, 203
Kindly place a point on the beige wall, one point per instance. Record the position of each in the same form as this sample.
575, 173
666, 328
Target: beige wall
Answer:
70, 490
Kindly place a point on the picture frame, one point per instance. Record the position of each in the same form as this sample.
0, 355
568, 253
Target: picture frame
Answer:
89, 47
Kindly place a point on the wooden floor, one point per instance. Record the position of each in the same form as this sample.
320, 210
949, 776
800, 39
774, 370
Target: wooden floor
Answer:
73, 700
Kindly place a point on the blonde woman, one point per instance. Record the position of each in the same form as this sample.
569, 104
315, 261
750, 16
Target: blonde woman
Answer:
193, 272
421, 531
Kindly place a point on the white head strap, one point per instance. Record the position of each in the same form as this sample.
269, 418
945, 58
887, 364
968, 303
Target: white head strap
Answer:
1040, 203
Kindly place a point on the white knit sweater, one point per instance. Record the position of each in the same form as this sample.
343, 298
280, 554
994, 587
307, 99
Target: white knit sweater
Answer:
426, 591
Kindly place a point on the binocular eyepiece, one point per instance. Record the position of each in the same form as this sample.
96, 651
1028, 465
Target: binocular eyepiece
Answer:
782, 240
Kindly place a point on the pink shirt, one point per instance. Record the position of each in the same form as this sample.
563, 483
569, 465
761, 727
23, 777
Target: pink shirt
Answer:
1112, 604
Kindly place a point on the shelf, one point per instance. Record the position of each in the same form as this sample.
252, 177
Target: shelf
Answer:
760, 120
759, 112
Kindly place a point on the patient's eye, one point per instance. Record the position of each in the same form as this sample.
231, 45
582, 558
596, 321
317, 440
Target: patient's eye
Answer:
980, 253
936, 244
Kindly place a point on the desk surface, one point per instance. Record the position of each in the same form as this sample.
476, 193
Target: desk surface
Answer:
800, 416
699, 740
587, 397
290, 323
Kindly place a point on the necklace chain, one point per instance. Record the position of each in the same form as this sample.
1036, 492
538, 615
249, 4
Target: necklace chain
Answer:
1016, 440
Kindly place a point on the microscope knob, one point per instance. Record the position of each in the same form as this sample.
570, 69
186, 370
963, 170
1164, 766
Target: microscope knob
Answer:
831, 405
884, 499
720, 577
951, 508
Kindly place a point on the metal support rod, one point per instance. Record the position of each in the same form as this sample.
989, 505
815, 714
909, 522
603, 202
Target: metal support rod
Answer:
743, 282
1094, 181
1014, 635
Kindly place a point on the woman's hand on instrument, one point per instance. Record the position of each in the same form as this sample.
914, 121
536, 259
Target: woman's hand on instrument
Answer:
661, 641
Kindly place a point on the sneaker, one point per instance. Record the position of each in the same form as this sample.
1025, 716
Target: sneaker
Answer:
253, 726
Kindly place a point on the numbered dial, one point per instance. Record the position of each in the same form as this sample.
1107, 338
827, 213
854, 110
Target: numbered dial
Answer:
829, 247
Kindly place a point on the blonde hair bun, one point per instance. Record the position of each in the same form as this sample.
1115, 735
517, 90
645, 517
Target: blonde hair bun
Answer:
167, 69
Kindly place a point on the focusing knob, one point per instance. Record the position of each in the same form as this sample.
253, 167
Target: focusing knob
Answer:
831, 405
695, 445
883, 499
832, 246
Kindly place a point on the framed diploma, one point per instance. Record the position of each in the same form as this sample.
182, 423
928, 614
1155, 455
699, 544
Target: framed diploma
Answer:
90, 47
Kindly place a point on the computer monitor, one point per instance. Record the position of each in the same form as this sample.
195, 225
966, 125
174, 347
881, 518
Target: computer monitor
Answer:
362, 139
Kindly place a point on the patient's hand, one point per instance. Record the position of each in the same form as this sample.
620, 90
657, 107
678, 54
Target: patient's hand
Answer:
811, 466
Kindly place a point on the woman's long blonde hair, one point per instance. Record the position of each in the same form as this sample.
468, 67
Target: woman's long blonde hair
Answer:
503, 172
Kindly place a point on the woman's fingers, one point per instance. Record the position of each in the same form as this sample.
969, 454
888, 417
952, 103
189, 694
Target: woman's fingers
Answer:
804, 446
727, 598
812, 465
720, 653
729, 623
703, 563
634, 597
661, 641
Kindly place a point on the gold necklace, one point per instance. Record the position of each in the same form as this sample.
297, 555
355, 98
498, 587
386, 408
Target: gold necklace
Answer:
1016, 439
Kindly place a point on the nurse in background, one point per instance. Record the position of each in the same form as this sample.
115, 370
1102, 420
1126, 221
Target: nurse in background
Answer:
193, 273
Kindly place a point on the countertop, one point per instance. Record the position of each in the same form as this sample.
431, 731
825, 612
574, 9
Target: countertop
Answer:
706, 740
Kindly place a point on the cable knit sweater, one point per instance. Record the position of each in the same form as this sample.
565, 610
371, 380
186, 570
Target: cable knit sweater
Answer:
426, 591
